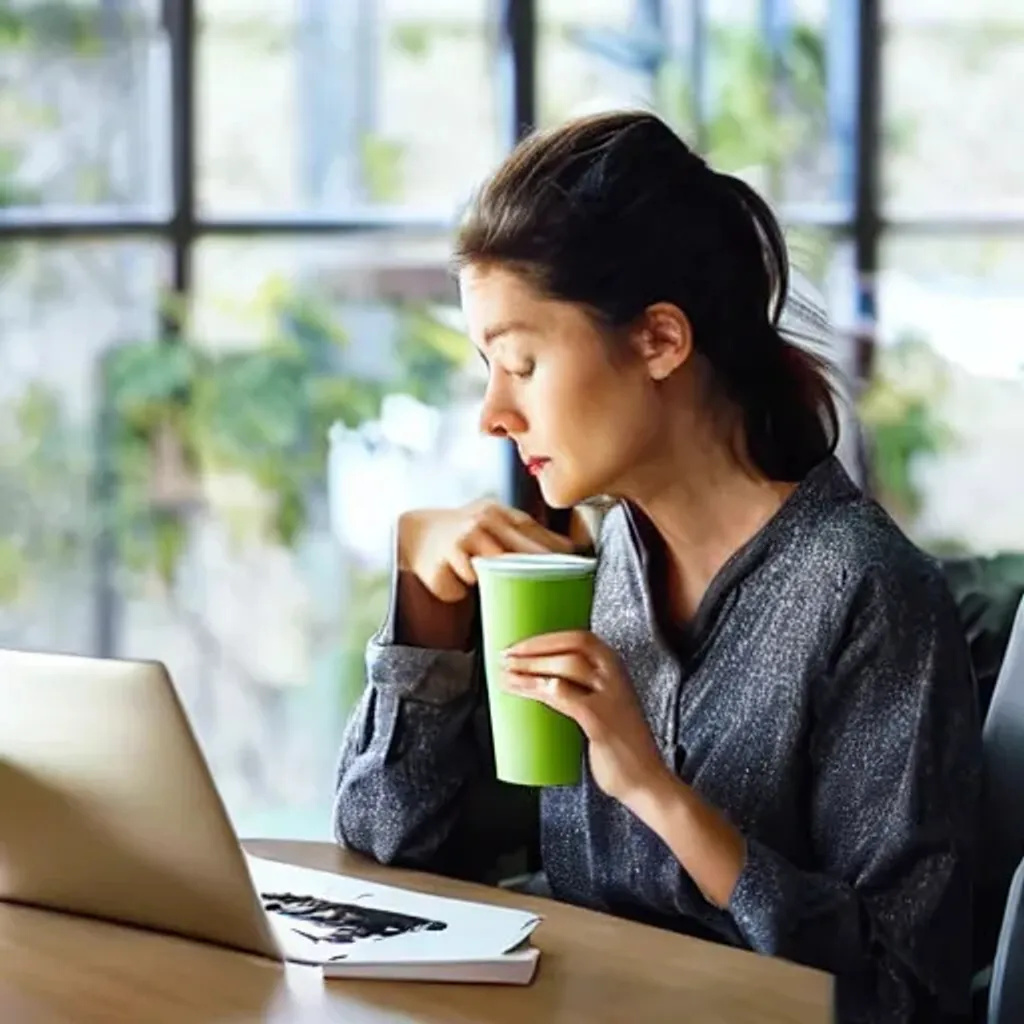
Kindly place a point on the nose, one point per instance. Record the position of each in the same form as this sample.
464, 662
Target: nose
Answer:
499, 416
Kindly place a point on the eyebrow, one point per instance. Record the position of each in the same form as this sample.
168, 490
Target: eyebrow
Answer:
498, 330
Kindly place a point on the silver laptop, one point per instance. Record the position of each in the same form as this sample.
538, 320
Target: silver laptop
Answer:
108, 808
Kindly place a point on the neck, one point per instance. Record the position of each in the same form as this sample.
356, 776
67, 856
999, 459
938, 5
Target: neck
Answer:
705, 505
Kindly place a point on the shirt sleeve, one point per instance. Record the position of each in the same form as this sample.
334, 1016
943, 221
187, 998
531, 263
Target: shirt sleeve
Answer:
415, 781
895, 753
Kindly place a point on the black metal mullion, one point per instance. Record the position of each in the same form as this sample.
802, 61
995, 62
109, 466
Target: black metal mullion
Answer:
361, 220
181, 25
35, 225
88, 223
40, 224
867, 218
517, 52
517, 49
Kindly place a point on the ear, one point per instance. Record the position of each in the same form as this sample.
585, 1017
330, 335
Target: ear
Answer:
663, 338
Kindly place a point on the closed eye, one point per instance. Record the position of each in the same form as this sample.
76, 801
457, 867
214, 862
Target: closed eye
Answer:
523, 372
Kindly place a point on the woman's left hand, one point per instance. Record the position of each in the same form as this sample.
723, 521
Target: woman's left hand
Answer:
579, 675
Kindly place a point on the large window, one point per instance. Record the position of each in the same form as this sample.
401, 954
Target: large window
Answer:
231, 348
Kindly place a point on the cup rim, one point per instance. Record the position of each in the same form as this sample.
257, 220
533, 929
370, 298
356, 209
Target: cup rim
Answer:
534, 565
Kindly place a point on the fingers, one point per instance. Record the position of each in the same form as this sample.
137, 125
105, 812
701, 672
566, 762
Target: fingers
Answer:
513, 530
578, 641
522, 534
553, 542
521, 540
556, 693
480, 544
492, 530
572, 666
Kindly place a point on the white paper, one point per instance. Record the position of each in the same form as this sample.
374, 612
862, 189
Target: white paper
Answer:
443, 929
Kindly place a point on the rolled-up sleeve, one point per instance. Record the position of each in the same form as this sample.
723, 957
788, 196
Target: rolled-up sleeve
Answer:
895, 754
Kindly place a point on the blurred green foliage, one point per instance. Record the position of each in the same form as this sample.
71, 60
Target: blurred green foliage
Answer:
900, 410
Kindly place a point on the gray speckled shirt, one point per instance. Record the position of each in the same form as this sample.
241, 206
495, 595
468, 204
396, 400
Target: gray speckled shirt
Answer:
822, 698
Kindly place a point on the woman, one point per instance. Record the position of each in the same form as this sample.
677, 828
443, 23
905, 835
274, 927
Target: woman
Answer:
783, 739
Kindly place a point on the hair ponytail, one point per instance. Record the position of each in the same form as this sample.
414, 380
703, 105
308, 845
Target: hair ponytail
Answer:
790, 418
786, 394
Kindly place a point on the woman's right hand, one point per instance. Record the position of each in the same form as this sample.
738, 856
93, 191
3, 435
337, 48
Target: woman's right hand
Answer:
436, 545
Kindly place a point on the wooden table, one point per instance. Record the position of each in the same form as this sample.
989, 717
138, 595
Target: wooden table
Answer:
593, 968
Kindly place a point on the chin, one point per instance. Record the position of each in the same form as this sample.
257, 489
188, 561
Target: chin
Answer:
564, 493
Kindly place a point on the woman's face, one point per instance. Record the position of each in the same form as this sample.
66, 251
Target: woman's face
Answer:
583, 415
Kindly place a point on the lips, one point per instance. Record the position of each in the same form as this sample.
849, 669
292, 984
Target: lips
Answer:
535, 466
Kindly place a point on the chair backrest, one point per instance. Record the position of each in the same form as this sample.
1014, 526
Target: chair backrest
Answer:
987, 590
1006, 991
1002, 846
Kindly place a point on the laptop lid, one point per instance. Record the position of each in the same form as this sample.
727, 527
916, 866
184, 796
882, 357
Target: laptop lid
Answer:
108, 808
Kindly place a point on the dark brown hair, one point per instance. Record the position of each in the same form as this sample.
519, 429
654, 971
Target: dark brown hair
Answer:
615, 212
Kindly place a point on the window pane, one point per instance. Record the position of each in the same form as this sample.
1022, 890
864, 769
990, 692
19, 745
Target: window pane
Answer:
83, 105
358, 102
951, 79
289, 337
63, 307
571, 78
766, 98
947, 410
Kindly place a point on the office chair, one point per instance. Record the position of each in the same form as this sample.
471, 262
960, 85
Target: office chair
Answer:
1001, 849
1006, 991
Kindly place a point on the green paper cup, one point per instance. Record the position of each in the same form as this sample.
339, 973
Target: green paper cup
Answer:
523, 596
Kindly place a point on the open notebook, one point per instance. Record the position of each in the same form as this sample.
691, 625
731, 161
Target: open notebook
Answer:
358, 929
